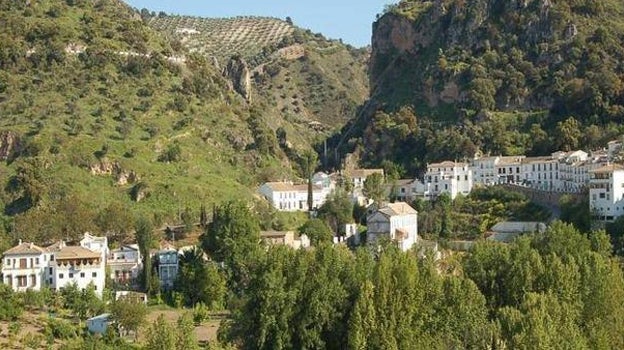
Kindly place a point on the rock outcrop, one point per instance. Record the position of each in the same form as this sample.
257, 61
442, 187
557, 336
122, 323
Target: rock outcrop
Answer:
114, 168
10, 144
238, 76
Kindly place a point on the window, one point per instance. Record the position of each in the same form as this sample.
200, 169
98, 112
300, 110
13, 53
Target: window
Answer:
61, 276
21, 281
82, 274
602, 195
52, 257
33, 280
94, 274
22, 263
37, 261
50, 271
71, 275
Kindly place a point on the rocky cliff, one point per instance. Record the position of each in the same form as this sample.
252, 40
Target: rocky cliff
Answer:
453, 77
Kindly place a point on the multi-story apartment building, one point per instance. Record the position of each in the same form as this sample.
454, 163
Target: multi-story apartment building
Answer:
125, 264
286, 196
453, 178
28, 266
606, 192
495, 170
24, 267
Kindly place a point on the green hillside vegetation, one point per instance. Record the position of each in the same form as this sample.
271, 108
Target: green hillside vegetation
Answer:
497, 77
313, 83
94, 112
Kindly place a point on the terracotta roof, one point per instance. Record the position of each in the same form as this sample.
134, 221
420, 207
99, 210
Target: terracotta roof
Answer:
403, 182
275, 234
76, 252
608, 168
25, 248
398, 208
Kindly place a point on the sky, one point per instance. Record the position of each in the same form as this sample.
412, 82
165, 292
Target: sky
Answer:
349, 20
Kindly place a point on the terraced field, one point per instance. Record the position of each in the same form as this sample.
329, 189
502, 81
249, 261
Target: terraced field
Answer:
224, 37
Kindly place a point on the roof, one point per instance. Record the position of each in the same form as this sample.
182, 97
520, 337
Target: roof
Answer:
511, 159
289, 187
126, 247
281, 186
538, 159
274, 234
55, 247
364, 172
403, 182
447, 163
76, 252
608, 168
98, 317
25, 248
398, 208
518, 227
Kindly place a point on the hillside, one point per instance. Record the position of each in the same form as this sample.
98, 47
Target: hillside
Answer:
313, 83
510, 77
102, 115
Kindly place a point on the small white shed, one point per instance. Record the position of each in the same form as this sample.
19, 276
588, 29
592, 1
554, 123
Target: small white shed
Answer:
98, 324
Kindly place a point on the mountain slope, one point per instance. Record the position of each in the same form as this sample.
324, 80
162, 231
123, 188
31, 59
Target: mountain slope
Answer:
526, 76
98, 108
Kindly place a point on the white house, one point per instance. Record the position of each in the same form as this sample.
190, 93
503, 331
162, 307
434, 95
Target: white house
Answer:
606, 192
497, 169
453, 178
125, 264
24, 267
79, 265
95, 243
357, 177
396, 221
286, 196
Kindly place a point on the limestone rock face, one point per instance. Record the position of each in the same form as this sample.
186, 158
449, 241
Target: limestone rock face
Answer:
238, 76
10, 144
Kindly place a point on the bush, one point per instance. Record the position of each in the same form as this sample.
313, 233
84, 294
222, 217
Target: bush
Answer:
60, 329
200, 313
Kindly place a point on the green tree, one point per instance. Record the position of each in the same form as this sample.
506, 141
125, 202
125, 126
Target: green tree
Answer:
337, 211
309, 162
374, 187
233, 237
129, 314
185, 333
117, 220
362, 322
160, 335
199, 281
144, 234
317, 231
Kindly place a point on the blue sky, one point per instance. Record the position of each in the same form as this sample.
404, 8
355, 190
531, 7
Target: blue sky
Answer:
350, 20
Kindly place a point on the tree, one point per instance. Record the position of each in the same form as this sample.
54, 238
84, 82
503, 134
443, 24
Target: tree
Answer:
129, 314
233, 238
144, 233
200, 282
160, 335
115, 219
309, 162
362, 322
317, 231
374, 187
185, 335
337, 211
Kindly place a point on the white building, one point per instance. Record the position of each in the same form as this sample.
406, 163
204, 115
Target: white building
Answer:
498, 169
96, 244
396, 221
357, 177
541, 173
125, 264
606, 192
453, 178
286, 196
28, 266
79, 265
287, 238
99, 324
24, 267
